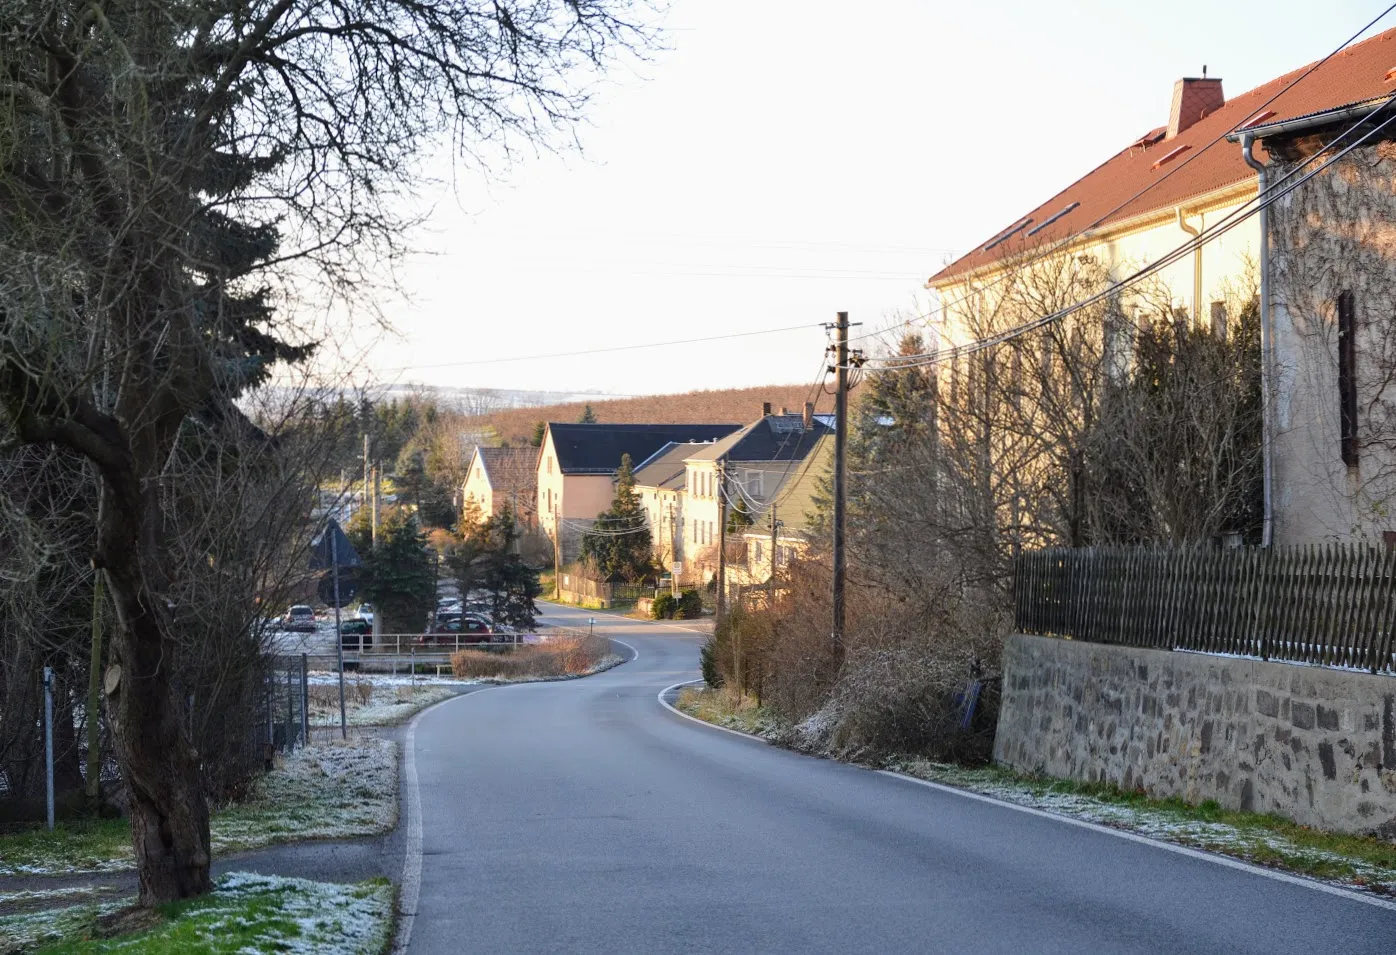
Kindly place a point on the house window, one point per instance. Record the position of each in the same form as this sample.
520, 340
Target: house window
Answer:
756, 552
755, 483
550, 464
1347, 377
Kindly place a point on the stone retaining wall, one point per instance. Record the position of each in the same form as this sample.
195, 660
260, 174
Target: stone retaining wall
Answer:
1316, 745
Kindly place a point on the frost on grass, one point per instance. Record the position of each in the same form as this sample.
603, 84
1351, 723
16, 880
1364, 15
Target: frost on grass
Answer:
334, 790
37, 895
376, 699
80, 846
245, 914
1255, 843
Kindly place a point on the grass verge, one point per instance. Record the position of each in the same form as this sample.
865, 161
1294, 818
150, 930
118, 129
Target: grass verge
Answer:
728, 708
1361, 862
245, 913
335, 790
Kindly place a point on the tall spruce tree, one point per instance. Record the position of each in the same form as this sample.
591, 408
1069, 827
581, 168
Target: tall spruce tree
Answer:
619, 543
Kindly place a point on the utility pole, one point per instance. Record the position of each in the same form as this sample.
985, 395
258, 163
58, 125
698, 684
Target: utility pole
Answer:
675, 560
774, 525
721, 541
557, 556
368, 446
375, 505
94, 692
840, 465
333, 530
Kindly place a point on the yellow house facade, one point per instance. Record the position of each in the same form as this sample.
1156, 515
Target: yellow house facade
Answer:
1195, 177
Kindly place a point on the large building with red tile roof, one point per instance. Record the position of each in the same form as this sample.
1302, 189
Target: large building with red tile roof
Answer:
1324, 276
1185, 163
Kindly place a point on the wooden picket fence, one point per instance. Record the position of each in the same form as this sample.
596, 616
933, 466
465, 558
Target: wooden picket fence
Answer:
1331, 605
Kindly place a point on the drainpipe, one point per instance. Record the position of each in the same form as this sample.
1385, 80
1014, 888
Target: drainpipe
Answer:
1196, 267
1266, 339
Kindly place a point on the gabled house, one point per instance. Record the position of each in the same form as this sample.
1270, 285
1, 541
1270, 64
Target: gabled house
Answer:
748, 470
793, 508
1188, 175
660, 482
500, 477
577, 465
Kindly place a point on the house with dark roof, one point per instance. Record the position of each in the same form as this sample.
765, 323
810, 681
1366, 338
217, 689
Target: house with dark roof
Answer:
748, 471
660, 481
499, 478
577, 464
1199, 170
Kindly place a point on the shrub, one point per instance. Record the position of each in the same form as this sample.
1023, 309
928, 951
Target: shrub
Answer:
664, 607
690, 605
560, 657
707, 659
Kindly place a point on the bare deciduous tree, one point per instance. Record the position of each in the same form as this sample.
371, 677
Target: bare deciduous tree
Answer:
173, 176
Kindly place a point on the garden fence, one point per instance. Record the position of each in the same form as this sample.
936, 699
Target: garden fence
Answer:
1332, 605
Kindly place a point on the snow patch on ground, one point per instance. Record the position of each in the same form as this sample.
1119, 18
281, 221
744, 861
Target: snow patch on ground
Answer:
1255, 844
272, 914
334, 790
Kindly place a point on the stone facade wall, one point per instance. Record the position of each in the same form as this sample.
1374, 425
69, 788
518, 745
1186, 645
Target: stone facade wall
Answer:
1316, 745
1334, 234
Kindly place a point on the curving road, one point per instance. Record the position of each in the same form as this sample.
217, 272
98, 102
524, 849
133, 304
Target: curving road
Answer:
584, 817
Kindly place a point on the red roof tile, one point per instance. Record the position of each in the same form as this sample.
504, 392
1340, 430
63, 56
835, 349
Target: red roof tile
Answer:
1356, 75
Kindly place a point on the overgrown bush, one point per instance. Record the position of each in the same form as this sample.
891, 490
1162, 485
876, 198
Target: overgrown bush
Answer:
901, 681
561, 657
664, 607
690, 605
707, 659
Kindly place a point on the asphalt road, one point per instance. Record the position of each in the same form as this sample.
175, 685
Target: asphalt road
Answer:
584, 817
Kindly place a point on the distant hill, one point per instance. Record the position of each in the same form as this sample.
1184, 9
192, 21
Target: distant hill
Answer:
731, 405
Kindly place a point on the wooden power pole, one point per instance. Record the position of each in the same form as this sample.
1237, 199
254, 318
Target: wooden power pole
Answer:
774, 538
721, 541
840, 465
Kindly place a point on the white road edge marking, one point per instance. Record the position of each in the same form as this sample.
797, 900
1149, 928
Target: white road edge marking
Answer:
409, 889
635, 654
1214, 858
411, 885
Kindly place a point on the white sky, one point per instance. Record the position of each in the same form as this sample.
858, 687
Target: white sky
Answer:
783, 161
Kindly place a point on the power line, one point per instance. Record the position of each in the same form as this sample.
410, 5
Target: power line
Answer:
599, 351
1231, 221
1056, 247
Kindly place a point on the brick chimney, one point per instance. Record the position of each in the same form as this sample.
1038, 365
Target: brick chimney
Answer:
765, 409
809, 415
1193, 98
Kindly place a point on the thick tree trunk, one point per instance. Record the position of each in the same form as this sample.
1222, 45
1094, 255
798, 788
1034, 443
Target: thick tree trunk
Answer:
169, 814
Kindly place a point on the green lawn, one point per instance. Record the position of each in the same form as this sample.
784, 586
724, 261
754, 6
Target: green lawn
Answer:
85, 845
245, 913
328, 791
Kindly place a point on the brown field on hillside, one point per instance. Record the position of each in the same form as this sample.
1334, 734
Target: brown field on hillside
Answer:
731, 405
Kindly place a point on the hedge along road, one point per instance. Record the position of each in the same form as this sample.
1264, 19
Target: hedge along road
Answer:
585, 817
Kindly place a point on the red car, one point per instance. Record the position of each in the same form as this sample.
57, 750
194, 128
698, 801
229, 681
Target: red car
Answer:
451, 629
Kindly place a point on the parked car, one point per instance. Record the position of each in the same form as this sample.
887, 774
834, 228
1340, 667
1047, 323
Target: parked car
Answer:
366, 613
448, 628
356, 635
299, 619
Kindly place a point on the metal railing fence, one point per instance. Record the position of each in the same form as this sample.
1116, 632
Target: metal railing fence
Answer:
1332, 605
